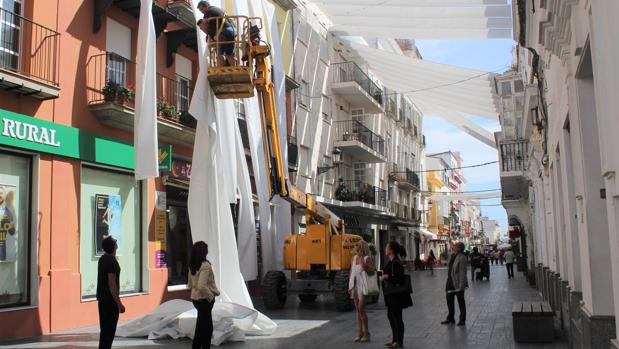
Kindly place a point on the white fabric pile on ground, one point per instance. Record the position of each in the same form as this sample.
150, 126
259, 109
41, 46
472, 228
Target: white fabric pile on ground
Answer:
177, 319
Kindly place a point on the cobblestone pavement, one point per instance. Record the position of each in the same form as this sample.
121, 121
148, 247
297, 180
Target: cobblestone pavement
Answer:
317, 325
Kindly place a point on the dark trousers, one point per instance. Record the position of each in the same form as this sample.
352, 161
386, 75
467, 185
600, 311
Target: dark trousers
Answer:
108, 319
397, 324
451, 305
204, 324
510, 270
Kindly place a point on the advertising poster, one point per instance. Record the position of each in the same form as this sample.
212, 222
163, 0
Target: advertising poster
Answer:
161, 230
108, 209
8, 223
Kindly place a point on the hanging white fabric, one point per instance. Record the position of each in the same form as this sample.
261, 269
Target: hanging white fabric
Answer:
145, 138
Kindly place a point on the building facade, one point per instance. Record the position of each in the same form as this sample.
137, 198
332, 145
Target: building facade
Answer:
558, 160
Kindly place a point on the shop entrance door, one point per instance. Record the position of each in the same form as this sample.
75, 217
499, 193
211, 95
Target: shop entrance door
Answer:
179, 241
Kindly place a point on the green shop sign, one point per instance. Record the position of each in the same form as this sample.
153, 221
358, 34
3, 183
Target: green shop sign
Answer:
21, 131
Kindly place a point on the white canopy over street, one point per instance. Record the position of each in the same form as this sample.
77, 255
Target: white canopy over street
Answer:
437, 89
419, 19
465, 196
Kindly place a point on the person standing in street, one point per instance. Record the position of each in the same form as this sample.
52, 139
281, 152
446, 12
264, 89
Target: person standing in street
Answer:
108, 292
475, 262
361, 266
456, 284
201, 281
510, 258
393, 276
431, 261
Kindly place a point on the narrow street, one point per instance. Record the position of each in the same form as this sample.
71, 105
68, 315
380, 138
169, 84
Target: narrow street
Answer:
489, 322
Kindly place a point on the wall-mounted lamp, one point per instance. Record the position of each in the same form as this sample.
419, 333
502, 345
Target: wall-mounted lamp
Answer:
336, 160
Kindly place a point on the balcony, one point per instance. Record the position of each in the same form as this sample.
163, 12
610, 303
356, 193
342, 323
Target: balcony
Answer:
354, 138
514, 156
355, 86
360, 192
111, 81
391, 104
28, 57
405, 178
183, 10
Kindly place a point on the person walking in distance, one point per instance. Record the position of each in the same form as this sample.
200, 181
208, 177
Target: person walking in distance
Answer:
393, 275
431, 261
201, 281
510, 258
456, 284
475, 262
108, 293
361, 266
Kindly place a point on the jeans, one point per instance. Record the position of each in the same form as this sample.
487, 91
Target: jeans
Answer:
394, 314
108, 319
510, 270
204, 324
451, 304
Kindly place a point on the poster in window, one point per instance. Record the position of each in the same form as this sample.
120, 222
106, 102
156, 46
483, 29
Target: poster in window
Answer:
8, 223
108, 210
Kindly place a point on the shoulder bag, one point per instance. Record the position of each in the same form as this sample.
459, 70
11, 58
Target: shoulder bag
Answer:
372, 282
405, 287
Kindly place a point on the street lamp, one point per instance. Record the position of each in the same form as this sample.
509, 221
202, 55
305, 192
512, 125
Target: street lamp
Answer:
336, 160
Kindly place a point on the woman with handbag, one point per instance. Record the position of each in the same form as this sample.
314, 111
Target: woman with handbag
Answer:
362, 282
396, 289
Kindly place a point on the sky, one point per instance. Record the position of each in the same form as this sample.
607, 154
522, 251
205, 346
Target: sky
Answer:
487, 55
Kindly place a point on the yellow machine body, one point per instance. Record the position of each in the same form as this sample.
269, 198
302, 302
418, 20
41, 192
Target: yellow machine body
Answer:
317, 247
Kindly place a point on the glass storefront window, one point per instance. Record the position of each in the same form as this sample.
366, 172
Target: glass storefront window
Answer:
178, 245
15, 173
110, 205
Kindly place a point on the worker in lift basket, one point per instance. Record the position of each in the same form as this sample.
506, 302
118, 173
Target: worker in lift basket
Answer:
227, 36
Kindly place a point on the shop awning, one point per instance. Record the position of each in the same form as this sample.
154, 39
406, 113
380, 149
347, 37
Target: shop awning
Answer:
418, 19
450, 92
427, 234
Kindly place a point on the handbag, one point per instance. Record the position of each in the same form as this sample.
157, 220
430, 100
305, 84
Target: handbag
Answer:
372, 283
405, 287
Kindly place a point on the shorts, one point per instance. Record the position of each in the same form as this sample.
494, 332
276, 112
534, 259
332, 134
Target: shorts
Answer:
227, 34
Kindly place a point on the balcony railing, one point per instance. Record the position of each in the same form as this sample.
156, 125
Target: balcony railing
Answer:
352, 130
356, 190
111, 78
28, 49
407, 176
350, 71
514, 155
391, 104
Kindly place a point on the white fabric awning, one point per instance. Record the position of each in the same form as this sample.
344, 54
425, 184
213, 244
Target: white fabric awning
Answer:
427, 234
450, 92
468, 196
419, 19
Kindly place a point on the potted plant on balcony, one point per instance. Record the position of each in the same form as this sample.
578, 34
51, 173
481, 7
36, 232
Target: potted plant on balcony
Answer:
110, 91
125, 94
168, 111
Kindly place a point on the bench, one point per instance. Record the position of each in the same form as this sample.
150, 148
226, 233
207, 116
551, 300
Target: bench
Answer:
533, 322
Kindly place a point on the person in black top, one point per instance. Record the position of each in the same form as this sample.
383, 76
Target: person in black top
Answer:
393, 273
108, 292
210, 24
475, 262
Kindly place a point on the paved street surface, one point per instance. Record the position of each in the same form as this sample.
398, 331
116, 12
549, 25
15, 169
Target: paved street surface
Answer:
317, 325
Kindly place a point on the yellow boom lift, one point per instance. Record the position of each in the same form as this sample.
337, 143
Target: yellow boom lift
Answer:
320, 258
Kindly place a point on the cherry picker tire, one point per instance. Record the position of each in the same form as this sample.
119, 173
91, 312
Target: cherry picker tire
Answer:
343, 302
274, 290
307, 298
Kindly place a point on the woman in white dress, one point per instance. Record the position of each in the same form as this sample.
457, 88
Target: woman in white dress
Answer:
361, 265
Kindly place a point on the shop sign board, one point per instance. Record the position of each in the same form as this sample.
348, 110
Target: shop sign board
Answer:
22, 131
165, 158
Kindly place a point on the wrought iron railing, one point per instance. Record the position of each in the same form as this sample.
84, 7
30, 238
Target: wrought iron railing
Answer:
405, 176
353, 130
350, 71
109, 75
28, 48
356, 190
391, 104
514, 155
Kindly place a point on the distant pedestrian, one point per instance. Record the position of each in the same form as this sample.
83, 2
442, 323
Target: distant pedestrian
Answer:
201, 281
510, 258
475, 262
501, 255
431, 261
108, 294
393, 276
456, 284
362, 265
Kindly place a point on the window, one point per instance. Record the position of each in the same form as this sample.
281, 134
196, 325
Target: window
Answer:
110, 205
15, 173
182, 93
10, 33
518, 86
506, 88
361, 171
303, 94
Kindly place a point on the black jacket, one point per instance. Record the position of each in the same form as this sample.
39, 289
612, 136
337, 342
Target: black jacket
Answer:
395, 270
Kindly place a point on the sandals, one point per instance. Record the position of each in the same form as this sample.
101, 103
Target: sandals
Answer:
365, 338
